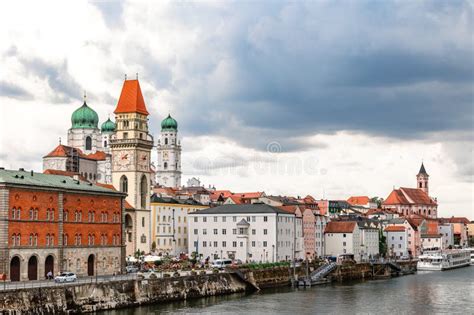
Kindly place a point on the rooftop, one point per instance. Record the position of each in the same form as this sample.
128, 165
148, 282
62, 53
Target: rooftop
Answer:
25, 178
244, 209
131, 99
340, 227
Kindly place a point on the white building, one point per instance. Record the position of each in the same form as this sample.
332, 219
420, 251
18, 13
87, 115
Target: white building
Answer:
168, 168
431, 241
447, 232
342, 237
397, 241
249, 232
169, 223
346, 237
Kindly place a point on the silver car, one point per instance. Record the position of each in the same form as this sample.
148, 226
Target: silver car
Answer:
66, 277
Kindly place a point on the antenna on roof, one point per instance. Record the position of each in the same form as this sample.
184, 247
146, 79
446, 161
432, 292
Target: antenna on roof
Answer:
125, 77
137, 75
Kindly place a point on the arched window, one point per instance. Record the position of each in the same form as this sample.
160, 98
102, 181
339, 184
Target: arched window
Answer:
421, 185
143, 191
165, 165
36, 214
88, 143
105, 144
18, 239
14, 240
166, 140
65, 239
32, 214
51, 240
47, 240
123, 184
36, 240
65, 215
31, 240
14, 213
18, 213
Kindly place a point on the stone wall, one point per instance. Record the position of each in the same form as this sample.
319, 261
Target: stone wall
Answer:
94, 297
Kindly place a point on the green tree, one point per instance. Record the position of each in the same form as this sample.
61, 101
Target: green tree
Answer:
382, 244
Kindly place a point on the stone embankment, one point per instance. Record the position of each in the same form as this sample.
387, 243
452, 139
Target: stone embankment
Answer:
102, 296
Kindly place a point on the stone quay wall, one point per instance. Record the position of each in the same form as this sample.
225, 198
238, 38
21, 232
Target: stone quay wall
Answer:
83, 298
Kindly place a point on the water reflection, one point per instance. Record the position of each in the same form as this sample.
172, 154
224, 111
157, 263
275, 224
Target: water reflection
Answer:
449, 292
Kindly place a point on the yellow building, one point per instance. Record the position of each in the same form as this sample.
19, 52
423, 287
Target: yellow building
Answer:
169, 223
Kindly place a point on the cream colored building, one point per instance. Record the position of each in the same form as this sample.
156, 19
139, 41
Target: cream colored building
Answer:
169, 220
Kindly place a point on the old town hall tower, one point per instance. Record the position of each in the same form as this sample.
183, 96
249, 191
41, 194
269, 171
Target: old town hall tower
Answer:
131, 147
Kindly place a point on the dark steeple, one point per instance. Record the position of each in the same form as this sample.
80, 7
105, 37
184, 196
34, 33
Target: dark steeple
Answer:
422, 170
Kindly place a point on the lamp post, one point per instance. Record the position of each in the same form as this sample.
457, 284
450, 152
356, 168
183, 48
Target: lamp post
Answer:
273, 253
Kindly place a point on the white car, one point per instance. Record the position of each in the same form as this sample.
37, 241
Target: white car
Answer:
66, 277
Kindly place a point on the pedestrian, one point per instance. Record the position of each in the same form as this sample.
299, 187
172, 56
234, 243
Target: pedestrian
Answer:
49, 275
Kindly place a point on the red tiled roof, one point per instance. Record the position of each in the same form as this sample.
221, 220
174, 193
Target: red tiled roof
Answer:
395, 228
408, 196
458, 220
215, 194
430, 235
358, 200
98, 156
128, 206
235, 199
249, 195
64, 173
109, 186
340, 227
290, 208
131, 99
59, 151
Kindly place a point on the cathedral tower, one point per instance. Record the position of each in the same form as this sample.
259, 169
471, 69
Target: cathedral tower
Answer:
84, 133
422, 179
131, 147
168, 172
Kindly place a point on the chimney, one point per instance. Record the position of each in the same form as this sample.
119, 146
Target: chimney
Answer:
32, 173
21, 169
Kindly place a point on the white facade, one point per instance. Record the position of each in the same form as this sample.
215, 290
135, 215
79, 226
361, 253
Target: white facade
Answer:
263, 233
397, 243
168, 168
339, 243
431, 241
447, 232
369, 242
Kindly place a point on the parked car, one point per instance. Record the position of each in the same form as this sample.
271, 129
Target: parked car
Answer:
131, 269
221, 263
66, 277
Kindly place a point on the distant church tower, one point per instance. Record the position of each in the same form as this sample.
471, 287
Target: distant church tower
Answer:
168, 172
131, 147
84, 133
422, 179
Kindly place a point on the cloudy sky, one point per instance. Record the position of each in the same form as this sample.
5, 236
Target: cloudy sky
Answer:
329, 98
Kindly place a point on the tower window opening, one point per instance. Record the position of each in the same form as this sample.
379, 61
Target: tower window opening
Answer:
123, 184
166, 140
88, 143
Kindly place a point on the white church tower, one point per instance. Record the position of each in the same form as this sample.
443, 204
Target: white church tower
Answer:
168, 172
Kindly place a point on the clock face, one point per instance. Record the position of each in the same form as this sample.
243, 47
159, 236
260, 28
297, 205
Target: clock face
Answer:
123, 160
143, 161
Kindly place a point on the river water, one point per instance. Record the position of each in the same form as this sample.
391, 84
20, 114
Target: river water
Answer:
447, 292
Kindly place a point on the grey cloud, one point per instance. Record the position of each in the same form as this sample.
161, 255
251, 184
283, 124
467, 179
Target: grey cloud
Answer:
14, 91
111, 11
64, 87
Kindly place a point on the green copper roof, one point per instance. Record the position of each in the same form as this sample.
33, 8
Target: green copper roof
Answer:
50, 181
169, 123
84, 117
108, 126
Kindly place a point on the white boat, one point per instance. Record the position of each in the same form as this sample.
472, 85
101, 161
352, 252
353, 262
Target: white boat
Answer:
438, 260
471, 252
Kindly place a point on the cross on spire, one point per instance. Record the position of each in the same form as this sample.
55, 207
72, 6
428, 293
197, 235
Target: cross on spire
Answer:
125, 77
60, 140
85, 96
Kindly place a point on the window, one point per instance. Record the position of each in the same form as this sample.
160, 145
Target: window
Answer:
265, 219
241, 244
204, 219
143, 222
234, 244
234, 231
123, 184
234, 219
343, 243
343, 235
195, 219
195, 231
13, 215
204, 244
215, 231
165, 165
65, 239
88, 143
401, 238
264, 231
215, 244
223, 219
215, 219
204, 231
66, 215
253, 243
143, 191
264, 243
253, 231
224, 244
143, 238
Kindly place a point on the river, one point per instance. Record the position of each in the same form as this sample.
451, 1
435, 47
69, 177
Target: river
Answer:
422, 293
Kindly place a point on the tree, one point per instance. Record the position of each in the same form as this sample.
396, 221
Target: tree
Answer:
382, 244
153, 246
378, 201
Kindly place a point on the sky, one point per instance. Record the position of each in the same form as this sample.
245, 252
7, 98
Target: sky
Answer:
328, 98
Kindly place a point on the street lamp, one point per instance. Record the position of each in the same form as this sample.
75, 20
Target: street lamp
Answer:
273, 253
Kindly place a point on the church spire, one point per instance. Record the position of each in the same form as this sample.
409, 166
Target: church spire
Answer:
422, 170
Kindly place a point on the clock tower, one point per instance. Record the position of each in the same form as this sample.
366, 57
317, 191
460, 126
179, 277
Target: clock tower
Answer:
131, 147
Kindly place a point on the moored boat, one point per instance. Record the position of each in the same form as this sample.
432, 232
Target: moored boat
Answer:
471, 252
438, 260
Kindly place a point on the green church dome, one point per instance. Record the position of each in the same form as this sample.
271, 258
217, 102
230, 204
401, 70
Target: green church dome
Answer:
84, 117
169, 123
108, 126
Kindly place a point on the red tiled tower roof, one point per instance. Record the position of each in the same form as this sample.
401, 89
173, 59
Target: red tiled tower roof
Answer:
131, 99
